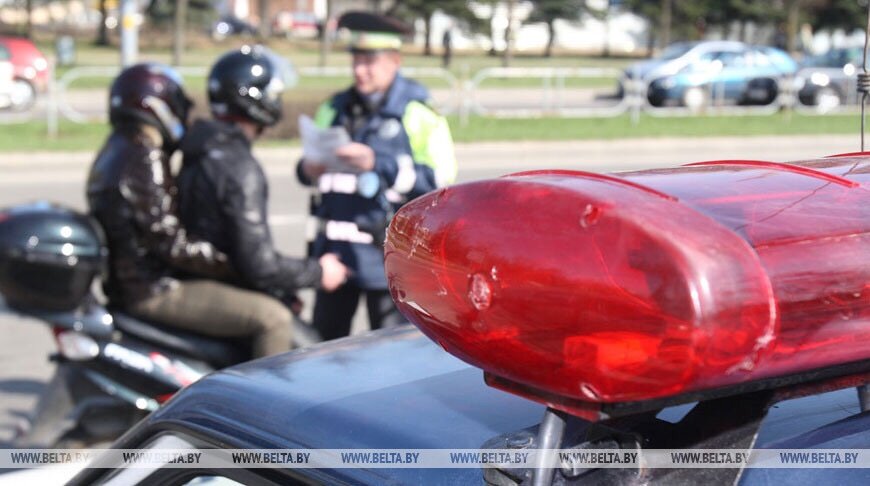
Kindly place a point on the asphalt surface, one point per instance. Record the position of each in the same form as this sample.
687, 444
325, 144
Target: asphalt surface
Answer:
92, 104
60, 177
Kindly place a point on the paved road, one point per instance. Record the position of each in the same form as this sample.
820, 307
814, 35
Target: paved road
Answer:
60, 178
92, 104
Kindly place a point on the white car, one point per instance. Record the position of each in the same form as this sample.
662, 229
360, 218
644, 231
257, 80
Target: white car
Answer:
7, 85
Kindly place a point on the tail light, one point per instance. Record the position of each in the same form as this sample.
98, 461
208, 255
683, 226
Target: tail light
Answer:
572, 288
161, 399
76, 346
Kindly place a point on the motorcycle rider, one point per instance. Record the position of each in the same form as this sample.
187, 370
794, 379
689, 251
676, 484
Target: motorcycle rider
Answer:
131, 192
224, 191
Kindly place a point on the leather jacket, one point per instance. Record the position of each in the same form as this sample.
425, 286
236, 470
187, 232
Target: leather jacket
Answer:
224, 196
131, 192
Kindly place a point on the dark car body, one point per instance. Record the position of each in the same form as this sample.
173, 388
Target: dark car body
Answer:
231, 26
296, 25
396, 389
829, 80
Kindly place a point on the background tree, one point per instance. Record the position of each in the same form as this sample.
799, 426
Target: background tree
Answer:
509, 34
675, 20
178, 31
800, 11
651, 11
671, 20
832, 14
548, 11
265, 27
325, 35
102, 29
410, 10
28, 32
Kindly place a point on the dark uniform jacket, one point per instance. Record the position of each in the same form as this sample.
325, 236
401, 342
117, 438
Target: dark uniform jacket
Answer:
350, 218
224, 199
131, 192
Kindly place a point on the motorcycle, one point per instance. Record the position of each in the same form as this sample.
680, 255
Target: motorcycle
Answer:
112, 369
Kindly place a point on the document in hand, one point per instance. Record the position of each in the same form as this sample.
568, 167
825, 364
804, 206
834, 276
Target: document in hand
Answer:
319, 144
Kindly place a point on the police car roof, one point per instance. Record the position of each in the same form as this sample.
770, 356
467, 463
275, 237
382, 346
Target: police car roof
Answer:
393, 389
397, 389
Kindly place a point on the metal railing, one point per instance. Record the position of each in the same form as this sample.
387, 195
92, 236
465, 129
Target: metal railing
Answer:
553, 100
559, 92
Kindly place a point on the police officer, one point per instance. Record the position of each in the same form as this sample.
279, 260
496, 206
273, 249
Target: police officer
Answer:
131, 192
401, 148
223, 188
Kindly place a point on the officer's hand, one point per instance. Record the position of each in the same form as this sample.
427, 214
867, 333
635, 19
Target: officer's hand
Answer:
334, 272
357, 155
313, 169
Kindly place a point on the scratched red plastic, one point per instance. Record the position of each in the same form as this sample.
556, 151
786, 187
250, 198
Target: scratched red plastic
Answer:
639, 285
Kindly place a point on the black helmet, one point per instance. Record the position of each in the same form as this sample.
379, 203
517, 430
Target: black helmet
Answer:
150, 93
248, 83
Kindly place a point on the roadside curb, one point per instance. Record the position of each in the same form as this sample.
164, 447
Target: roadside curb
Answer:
525, 153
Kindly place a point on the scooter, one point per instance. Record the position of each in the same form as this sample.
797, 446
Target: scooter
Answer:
112, 369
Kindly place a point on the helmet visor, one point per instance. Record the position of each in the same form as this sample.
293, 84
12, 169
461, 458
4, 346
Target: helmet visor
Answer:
283, 76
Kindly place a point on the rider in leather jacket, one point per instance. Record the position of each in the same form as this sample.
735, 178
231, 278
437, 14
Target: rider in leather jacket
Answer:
132, 193
224, 189
224, 199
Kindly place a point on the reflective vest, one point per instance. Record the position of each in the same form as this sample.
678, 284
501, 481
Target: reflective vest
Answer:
413, 155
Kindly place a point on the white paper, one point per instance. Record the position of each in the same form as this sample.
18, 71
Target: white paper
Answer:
319, 144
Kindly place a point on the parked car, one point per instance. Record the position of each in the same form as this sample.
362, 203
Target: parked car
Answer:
716, 306
6, 84
296, 25
829, 80
231, 26
31, 70
696, 74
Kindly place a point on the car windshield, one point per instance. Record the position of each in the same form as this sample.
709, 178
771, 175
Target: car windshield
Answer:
836, 58
676, 50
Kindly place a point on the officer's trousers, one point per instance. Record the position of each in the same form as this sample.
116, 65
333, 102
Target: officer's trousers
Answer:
334, 311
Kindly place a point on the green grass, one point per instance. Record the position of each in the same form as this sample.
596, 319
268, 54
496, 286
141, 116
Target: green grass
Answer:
568, 82
464, 65
88, 137
492, 129
201, 52
334, 83
31, 136
339, 82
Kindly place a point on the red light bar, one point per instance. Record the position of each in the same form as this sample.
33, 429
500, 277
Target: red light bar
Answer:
851, 154
574, 286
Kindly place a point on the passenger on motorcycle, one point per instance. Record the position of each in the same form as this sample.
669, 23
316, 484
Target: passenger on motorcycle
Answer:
223, 189
132, 193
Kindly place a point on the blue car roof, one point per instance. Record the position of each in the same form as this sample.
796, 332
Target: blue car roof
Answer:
393, 389
396, 389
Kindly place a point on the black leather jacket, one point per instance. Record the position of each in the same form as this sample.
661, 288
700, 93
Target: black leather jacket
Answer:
224, 195
131, 192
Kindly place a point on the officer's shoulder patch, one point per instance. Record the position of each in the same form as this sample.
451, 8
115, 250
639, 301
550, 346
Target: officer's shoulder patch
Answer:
389, 128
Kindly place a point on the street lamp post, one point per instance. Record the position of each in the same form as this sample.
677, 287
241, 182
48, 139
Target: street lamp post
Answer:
129, 32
